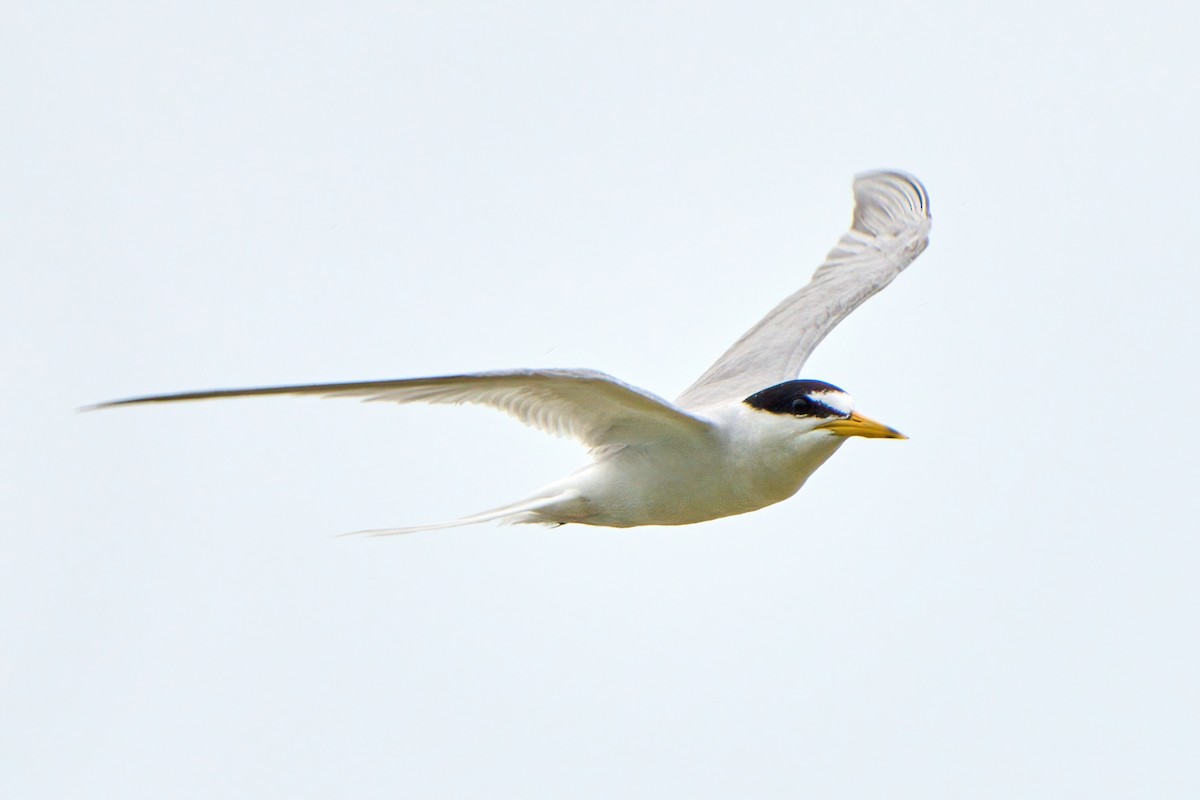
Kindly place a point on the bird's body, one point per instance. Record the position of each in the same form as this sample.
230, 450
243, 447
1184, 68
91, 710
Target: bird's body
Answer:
747, 460
745, 435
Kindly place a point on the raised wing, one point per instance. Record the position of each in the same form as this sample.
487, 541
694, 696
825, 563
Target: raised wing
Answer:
595, 408
890, 229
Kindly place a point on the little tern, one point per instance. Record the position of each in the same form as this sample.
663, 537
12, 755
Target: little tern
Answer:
747, 434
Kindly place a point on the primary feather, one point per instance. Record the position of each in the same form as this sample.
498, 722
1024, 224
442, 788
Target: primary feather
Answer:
589, 406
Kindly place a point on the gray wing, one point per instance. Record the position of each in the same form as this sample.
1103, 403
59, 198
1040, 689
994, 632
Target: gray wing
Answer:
592, 407
890, 229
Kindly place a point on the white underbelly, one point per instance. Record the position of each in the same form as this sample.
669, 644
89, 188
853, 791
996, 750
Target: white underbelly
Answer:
640, 486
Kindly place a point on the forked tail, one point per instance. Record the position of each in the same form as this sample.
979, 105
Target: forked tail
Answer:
510, 513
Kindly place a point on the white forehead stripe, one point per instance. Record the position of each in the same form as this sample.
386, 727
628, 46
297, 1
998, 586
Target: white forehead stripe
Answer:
840, 402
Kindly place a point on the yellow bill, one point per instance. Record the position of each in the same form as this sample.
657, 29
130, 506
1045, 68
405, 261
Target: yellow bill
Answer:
858, 425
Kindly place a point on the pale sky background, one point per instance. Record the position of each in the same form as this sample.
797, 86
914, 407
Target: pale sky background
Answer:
228, 194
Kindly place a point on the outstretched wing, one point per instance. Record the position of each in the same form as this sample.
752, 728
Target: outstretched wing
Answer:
890, 229
592, 407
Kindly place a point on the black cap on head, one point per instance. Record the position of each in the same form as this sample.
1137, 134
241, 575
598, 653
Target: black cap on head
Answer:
796, 398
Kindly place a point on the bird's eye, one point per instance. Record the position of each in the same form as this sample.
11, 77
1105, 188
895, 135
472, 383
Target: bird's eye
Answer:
801, 406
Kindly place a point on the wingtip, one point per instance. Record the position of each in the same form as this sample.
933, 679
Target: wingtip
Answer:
899, 185
94, 407
888, 202
376, 533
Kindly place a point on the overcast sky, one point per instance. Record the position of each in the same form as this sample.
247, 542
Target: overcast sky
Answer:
227, 194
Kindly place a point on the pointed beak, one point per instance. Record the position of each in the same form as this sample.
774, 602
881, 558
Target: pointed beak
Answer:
858, 425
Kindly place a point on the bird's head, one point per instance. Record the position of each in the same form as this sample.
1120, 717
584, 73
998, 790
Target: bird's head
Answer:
819, 406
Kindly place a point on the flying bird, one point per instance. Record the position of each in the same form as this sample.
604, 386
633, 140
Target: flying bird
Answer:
747, 434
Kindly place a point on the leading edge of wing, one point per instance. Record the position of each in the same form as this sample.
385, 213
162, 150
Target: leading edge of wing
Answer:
588, 405
890, 228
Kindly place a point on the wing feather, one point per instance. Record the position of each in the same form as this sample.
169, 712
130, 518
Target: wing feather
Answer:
889, 230
590, 406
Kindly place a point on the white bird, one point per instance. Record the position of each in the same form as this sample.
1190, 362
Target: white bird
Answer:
747, 434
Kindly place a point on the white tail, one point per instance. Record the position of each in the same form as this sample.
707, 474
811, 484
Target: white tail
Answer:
509, 514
